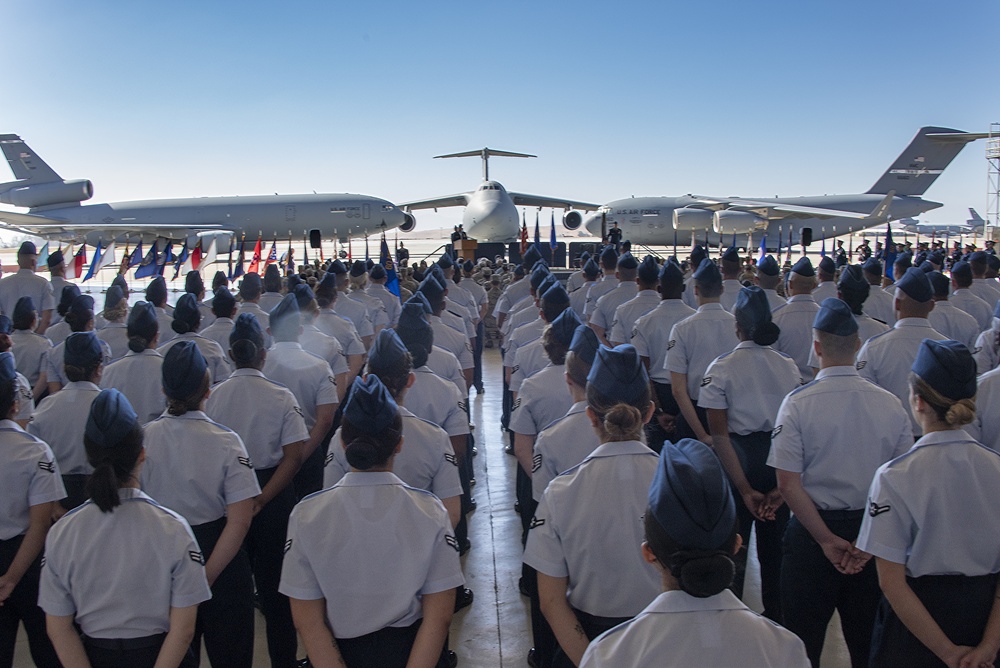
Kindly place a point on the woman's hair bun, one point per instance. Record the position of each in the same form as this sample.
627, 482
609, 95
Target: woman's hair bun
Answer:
766, 334
363, 452
703, 574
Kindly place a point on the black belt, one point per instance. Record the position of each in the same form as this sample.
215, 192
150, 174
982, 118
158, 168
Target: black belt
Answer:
124, 644
841, 515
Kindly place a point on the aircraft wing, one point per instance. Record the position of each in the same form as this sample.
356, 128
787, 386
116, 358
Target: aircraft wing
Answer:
521, 199
43, 226
774, 210
437, 203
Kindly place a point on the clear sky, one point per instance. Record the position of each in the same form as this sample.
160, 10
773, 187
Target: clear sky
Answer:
616, 98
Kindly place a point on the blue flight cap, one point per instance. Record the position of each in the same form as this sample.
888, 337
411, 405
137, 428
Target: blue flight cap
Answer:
590, 268
827, 265
294, 280
285, 316
546, 283
769, 266
852, 281
518, 270
926, 266
445, 261
66, 297
915, 285
872, 266
751, 310
193, 282
584, 256
120, 281
937, 258
708, 273
156, 291
649, 271
369, 407
187, 316
110, 420
627, 261
531, 256
82, 307
618, 373
23, 309
437, 272
142, 321
55, 259
223, 302
251, 284
697, 255
948, 367
413, 328
979, 256
8, 370
432, 289
369, 263
113, 297
388, 349
731, 255
468, 267
219, 280
671, 274
27, 248
329, 283
303, 295
920, 258
6, 326
540, 263
358, 269
834, 317
537, 276
690, 496
419, 299
585, 344
82, 349
940, 284
564, 326
377, 273
803, 268
555, 295
184, 370
247, 328
609, 257
337, 268
961, 270
903, 260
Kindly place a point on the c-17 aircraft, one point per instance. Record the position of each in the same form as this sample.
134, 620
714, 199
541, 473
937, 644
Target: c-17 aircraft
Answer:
55, 212
490, 210
974, 225
662, 220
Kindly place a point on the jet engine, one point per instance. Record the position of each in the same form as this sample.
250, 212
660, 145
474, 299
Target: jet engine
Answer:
44, 194
572, 220
409, 222
736, 222
692, 220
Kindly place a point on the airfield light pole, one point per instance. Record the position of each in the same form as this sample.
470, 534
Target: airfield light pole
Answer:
993, 182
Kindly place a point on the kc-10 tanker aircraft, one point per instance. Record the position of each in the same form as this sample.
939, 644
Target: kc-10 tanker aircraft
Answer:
55, 211
896, 195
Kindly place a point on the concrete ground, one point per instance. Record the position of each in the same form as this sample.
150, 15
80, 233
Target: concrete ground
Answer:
494, 632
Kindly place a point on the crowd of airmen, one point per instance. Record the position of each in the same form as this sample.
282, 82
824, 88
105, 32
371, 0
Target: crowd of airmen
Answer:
303, 443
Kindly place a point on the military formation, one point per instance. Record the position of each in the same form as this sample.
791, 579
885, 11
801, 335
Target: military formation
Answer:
300, 441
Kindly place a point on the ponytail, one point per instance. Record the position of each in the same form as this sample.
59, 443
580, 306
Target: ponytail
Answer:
113, 468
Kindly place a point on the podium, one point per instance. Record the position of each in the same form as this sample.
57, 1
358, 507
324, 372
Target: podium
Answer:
466, 248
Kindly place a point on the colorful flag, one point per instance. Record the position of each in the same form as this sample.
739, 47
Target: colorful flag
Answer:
165, 259
126, 256
135, 259
553, 244
255, 261
777, 252
822, 250
181, 259
93, 263
290, 258
890, 253
272, 256
385, 259
763, 248
43, 255
238, 271
538, 238
107, 257
524, 234
74, 268
305, 249
148, 266
212, 254
196, 257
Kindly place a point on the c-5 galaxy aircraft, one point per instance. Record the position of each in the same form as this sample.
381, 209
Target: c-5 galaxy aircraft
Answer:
661, 220
55, 212
490, 211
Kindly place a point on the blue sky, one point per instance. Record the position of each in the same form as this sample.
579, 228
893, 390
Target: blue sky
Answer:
616, 98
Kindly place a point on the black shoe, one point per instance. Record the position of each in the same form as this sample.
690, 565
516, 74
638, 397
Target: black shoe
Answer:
532, 658
465, 547
523, 588
463, 598
472, 482
303, 663
517, 507
472, 505
448, 659
509, 449
475, 451
480, 390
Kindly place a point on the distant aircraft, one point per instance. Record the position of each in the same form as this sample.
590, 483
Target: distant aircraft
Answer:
490, 211
973, 226
800, 220
54, 211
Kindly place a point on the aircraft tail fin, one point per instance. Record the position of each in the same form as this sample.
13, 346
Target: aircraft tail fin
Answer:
485, 154
25, 164
975, 216
920, 163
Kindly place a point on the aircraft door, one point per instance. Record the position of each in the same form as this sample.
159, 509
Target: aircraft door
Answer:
289, 214
315, 239
367, 212
806, 236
